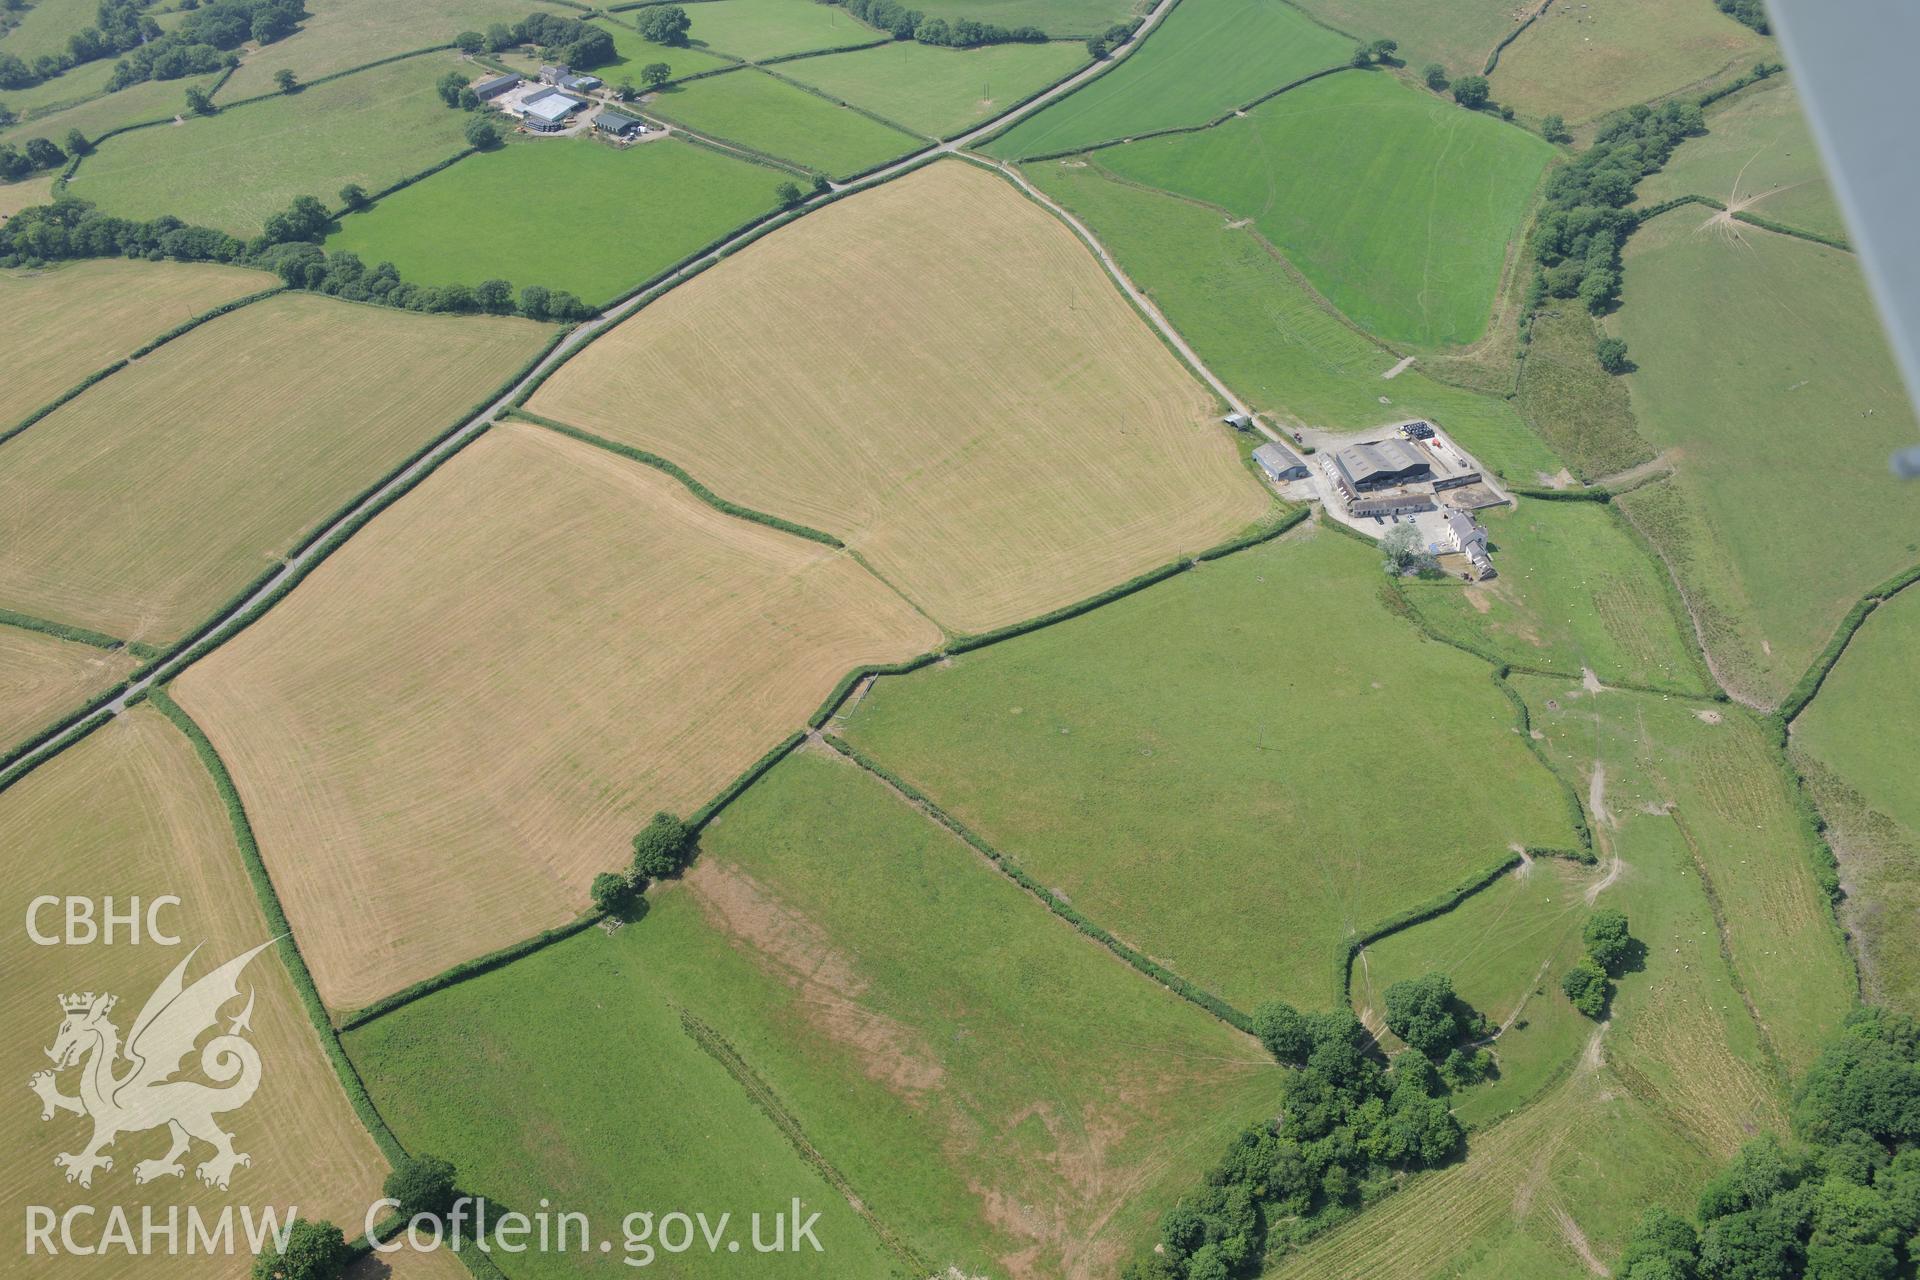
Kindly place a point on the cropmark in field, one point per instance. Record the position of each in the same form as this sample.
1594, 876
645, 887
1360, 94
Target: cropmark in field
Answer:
103, 503
497, 682
1398, 206
993, 1089
1201, 767
937, 372
132, 812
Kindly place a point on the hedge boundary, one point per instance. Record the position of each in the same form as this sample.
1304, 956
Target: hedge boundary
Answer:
698, 490
71, 393
94, 706
1189, 991
61, 630
1347, 950
1781, 228
464, 970
333, 529
375, 197
1824, 662
1493, 59
1171, 130
287, 947
318, 80
854, 107
215, 313
76, 726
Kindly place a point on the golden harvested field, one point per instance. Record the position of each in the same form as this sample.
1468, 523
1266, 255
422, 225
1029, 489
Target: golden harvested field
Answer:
24, 194
131, 811
467, 712
939, 373
274, 416
57, 326
42, 676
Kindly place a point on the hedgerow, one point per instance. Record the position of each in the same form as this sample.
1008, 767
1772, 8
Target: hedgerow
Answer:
70, 393
468, 969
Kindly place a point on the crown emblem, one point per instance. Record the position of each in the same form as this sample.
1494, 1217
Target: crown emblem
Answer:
81, 1001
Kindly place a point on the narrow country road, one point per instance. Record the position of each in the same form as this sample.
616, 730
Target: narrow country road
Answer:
234, 620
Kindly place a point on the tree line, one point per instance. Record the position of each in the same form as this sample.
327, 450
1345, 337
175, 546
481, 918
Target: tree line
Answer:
903, 23
203, 41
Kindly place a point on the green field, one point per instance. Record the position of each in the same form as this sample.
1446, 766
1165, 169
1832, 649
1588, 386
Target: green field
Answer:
340, 34
1575, 591
631, 54
771, 116
136, 104
938, 91
894, 995
84, 82
759, 29
45, 27
1272, 692
1757, 155
1406, 222
1259, 325
1203, 60
1761, 360
1857, 744
234, 169
1058, 18
1458, 34
1583, 411
1500, 947
629, 214
1714, 771
1583, 60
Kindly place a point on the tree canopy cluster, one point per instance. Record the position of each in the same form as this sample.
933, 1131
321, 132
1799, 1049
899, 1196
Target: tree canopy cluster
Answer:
903, 23
202, 41
1610, 948
1751, 12
1842, 1203
1586, 221
576, 43
663, 848
666, 24
1112, 38
314, 1251
1434, 1021
71, 228
1348, 1124
40, 153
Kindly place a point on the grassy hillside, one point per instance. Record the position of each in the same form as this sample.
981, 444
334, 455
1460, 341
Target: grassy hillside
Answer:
934, 90
1761, 361
1235, 770
1203, 60
1406, 221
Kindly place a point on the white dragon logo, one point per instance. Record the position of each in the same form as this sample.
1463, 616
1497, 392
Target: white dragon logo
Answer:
144, 1096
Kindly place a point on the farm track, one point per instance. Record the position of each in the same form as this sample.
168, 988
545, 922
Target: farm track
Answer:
295, 567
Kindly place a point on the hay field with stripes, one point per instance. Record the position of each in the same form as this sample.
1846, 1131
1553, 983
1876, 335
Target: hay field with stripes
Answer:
45, 348
132, 811
274, 416
939, 373
42, 676
498, 681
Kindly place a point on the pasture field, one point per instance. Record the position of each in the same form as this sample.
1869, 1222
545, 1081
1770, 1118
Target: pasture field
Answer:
1457, 34
756, 110
500, 680
895, 995
1855, 743
42, 677
234, 169
135, 104
1504, 948
1272, 691
631, 52
1061, 19
103, 503
761, 29
1050, 1077
1775, 533
1581, 61
128, 303
1570, 401
473, 221
934, 90
24, 194
1406, 225
340, 34
131, 811
1575, 591
1757, 155
1712, 768
924, 370
1203, 60
1669, 1089
46, 26
1259, 325
82, 83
